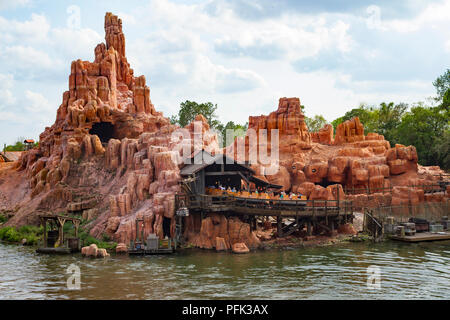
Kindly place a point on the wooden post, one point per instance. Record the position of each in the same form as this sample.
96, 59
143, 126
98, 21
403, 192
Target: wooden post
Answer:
45, 231
279, 226
337, 197
137, 230
314, 208
308, 228
77, 225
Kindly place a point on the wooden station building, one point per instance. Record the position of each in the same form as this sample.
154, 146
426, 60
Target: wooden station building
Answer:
219, 170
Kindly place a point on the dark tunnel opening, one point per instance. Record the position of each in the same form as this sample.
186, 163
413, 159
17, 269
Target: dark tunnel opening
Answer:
104, 130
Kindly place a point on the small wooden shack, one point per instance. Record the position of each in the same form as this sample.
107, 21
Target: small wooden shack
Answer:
54, 240
29, 144
205, 170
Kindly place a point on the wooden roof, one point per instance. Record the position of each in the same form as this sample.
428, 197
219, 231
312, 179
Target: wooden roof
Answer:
218, 158
55, 217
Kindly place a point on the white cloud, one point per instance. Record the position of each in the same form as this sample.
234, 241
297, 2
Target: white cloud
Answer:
75, 43
36, 102
5, 4
211, 53
31, 31
6, 85
22, 57
447, 46
433, 15
213, 77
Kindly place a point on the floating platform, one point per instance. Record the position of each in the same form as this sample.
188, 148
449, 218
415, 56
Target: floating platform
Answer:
54, 250
142, 252
423, 236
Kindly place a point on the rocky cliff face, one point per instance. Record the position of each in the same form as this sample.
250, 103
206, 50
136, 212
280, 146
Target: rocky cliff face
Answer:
110, 156
320, 164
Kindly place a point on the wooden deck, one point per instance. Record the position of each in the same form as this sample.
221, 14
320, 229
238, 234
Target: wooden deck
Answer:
264, 207
47, 250
142, 252
423, 236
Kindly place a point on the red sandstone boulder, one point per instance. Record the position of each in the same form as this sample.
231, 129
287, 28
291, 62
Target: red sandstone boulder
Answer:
305, 189
347, 229
289, 120
349, 131
90, 251
282, 178
324, 135
121, 248
102, 253
240, 248
221, 245
316, 172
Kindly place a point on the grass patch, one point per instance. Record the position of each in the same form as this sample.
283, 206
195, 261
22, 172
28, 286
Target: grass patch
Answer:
31, 234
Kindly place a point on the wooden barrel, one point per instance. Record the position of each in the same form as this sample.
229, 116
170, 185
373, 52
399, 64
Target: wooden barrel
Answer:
73, 244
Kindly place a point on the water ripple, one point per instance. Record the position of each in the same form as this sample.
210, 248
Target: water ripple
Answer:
417, 271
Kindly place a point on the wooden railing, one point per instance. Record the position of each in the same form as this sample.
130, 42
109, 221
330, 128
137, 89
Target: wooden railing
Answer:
201, 201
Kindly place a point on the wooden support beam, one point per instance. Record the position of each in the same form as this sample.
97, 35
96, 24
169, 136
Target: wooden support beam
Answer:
309, 228
324, 226
279, 226
44, 222
223, 173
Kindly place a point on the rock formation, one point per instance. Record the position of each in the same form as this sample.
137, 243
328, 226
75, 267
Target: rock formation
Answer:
109, 156
320, 164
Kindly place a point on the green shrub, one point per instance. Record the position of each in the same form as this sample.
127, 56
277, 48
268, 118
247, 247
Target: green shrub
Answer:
31, 230
3, 232
105, 243
11, 235
32, 239
31, 233
3, 218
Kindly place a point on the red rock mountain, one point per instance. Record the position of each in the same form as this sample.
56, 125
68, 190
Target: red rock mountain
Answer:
109, 156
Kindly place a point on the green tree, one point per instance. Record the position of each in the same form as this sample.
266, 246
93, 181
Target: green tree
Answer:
441, 149
389, 117
442, 84
424, 127
238, 131
366, 115
17, 146
190, 109
316, 123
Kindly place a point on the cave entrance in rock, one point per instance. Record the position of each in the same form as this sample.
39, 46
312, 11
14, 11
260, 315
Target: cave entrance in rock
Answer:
166, 227
104, 130
325, 183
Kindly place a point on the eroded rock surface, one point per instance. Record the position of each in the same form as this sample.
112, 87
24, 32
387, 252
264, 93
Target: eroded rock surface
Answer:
111, 157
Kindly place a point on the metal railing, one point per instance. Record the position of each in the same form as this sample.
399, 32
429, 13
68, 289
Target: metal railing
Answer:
428, 188
430, 211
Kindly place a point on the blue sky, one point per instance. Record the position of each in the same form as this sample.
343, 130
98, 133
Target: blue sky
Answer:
243, 55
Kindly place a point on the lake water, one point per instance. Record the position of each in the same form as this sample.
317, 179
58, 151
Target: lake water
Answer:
419, 271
